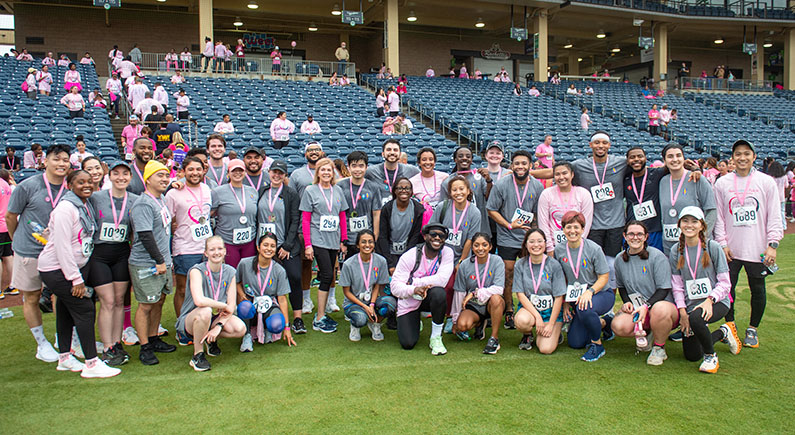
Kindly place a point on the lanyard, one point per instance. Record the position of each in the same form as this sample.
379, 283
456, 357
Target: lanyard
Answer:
745, 191
199, 203
604, 171
693, 270
311, 175
53, 202
566, 204
674, 197
259, 181
242, 201
159, 202
217, 290
424, 187
642, 187
271, 199
10, 162
117, 221
457, 226
434, 266
267, 279
369, 272
329, 202
138, 171
215, 174
520, 199
481, 282
354, 201
575, 270
537, 283
394, 177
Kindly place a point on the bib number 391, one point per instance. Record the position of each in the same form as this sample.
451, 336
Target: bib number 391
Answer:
543, 302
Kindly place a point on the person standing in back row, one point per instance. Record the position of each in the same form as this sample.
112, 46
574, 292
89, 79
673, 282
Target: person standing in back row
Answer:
380, 174
393, 101
343, 57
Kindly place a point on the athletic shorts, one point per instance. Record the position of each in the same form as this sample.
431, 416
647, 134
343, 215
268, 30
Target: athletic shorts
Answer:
150, 289
5, 245
180, 326
25, 275
109, 264
508, 254
183, 263
481, 310
546, 314
276, 67
610, 240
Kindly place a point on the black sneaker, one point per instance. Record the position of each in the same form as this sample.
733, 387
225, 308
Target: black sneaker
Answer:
480, 331
213, 349
120, 349
158, 345
112, 357
391, 323
147, 355
199, 362
677, 336
607, 331
492, 346
527, 342
298, 326
509, 320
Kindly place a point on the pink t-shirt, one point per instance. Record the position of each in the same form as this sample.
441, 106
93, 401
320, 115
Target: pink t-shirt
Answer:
428, 189
393, 100
130, 133
277, 57
584, 121
5, 196
544, 148
188, 206
654, 117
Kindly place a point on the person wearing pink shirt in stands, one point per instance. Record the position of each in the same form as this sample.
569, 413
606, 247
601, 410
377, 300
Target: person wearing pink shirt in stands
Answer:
430, 72
276, 59
240, 55
654, 120
185, 59
380, 100
183, 102
225, 126
71, 79
220, 53
281, 128
74, 102
171, 58
24, 55
545, 156
33, 158
478, 75
585, 120
64, 61
462, 73
555, 201
115, 53
393, 102
749, 229
533, 92
48, 60
310, 126
177, 78
44, 80
401, 88
113, 86
129, 134
87, 59
207, 53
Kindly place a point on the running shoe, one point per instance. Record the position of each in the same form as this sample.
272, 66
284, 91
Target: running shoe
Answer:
437, 347
2, 295
71, 364
492, 346
480, 331
751, 338
677, 336
355, 334
331, 306
607, 330
213, 349
45, 304
448, 326
147, 355
77, 348
158, 345
112, 357
99, 370
332, 322
11, 291
307, 306
731, 338
315, 282
594, 352
45, 352
247, 345
509, 320
375, 330
323, 325
120, 350
161, 331
183, 339
463, 335
527, 342
129, 337
657, 356
710, 364
200, 363
298, 326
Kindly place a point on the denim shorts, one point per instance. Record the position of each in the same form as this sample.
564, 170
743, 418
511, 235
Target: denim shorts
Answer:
183, 263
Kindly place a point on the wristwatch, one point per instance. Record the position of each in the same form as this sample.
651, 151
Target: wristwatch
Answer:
773, 245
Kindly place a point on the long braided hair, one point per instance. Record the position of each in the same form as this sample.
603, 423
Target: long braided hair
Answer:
705, 260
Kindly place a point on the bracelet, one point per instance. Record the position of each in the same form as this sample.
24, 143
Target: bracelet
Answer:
221, 325
372, 304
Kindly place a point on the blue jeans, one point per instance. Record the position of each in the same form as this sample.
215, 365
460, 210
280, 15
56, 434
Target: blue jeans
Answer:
358, 316
341, 67
586, 327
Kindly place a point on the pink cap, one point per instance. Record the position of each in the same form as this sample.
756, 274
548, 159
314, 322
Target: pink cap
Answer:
236, 164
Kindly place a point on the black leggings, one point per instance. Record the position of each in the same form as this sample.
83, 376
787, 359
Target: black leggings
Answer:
72, 312
408, 325
756, 282
279, 144
293, 268
326, 259
701, 342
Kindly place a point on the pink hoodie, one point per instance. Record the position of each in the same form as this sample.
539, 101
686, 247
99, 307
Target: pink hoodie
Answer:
63, 250
551, 209
404, 291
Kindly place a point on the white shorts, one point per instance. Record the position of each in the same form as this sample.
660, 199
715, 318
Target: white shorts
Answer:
25, 275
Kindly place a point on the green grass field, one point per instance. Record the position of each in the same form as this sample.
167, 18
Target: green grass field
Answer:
330, 385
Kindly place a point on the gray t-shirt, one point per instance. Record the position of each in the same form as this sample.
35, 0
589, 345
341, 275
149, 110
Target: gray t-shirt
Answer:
235, 227
137, 185
30, 201
325, 227
150, 214
257, 182
697, 194
301, 178
468, 224
107, 231
378, 175
276, 285
608, 210
218, 174
504, 200
478, 186
466, 280
552, 283
401, 223
644, 277
351, 276
591, 265
221, 282
368, 200
716, 265
271, 220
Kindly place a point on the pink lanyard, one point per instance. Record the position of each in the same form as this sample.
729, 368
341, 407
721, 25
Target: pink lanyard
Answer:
259, 181
217, 290
354, 199
267, 279
241, 203
329, 202
53, 202
575, 270
138, 171
271, 199
394, 177
674, 197
482, 282
311, 175
468, 171
424, 187
117, 221
520, 199
642, 188
566, 204
10, 165
693, 270
369, 272
215, 174
199, 203
604, 171
159, 202
745, 191
457, 226
537, 283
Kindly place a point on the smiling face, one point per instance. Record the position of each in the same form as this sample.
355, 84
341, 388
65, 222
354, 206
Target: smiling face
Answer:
427, 161
536, 245
563, 176
236, 175
366, 244
481, 247
743, 157
636, 237
94, 168
267, 247
435, 239
357, 169
215, 250
463, 159
690, 226
573, 231
277, 177
58, 164
600, 147
325, 173
216, 148
494, 156
520, 166
157, 183
391, 152
194, 173
143, 150
723, 168
403, 191
636, 159
253, 162
120, 177
313, 154
459, 191
81, 185
674, 159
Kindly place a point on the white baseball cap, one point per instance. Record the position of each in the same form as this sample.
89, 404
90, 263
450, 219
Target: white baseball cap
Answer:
692, 210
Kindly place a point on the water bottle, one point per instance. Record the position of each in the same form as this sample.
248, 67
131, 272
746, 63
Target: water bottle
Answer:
769, 270
38, 232
5, 313
641, 342
146, 273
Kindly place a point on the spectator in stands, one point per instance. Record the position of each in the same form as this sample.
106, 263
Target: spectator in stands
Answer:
11, 162
555, 80
401, 88
395, 125
572, 90
207, 53
161, 96
654, 121
178, 147
710, 169
87, 59
185, 59
430, 72
478, 75
647, 93
129, 134
342, 56
451, 73
533, 92
404, 158
334, 80
183, 102
147, 132
24, 55
502, 76
310, 126
606, 74
92, 94
171, 125
703, 74
225, 126
34, 158
177, 78
240, 55
281, 128
76, 159
776, 170
228, 59
219, 53
135, 55
113, 86
682, 74
403, 79
126, 68
517, 90
64, 60
137, 92
72, 78
462, 72
545, 153
171, 58
276, 61
388, 74
48, 60
585, 120
588, 90
393, 101
153, 118
143, 107
345, 81
380, 99
99, 101
115, 56
162, 137
29, 85
381, 71
74, 102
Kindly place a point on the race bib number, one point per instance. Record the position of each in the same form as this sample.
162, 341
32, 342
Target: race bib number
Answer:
283, 137
573, 291
242, 235
109, 232
543, 302
744, 216
454, 239
698, 289
604, 192
165, 216
87, 247
201, 231
329, 223
644, 210
398, 247
263, 303
357, 224
560, 237
524, 217
637, 300
670, 232
267, 228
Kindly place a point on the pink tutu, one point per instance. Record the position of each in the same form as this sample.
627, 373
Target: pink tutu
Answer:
68, 86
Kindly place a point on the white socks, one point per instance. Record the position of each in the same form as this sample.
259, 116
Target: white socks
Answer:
307, 294
38, 334
436, 329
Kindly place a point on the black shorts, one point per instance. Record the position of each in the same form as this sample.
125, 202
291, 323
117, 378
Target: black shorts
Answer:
508, 254
481, 310
109, 264
610, 240
5, 245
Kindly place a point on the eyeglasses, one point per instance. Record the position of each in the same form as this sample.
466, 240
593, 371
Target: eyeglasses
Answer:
635, 235
403, 189
314, 150
436, 234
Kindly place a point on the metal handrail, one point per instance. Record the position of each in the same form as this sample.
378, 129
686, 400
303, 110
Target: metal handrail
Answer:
591, 78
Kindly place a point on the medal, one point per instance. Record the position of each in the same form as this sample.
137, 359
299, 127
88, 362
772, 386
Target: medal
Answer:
672, 212
354, 214
202, 220
243, 220
477, 176
271, 218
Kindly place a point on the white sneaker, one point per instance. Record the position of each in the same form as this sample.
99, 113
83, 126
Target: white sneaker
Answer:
437, 347
70, 365
100, 370
657, 356
331, 306
710, 364
161, 331
308, 306
355, 334
375, 329
129, 337
247, 345
77, 348
45, 352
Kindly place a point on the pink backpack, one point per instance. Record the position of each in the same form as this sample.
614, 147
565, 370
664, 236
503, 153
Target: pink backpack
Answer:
25, 86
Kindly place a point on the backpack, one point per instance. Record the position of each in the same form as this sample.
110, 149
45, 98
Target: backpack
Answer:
25, 86
418, 253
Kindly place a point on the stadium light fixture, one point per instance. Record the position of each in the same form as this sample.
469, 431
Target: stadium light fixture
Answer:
412, 17
579, 59
336, 10
601, 34
161, 1
312, 27
479, 23
615, 49
568, 44
767, 44
238, 22
253, 5
718, 40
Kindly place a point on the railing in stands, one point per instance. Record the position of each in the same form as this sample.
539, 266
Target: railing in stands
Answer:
591, 78
738, 9
716, 84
